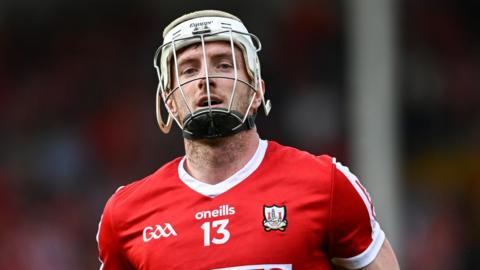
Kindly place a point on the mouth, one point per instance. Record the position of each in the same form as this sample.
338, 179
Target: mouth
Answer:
214, 101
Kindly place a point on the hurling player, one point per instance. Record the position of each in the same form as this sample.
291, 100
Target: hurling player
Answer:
234, 201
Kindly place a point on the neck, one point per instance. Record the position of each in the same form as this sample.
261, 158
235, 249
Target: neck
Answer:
214, 160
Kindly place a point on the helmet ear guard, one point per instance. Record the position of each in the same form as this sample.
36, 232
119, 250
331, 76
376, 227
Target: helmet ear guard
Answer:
164, 126
202, 27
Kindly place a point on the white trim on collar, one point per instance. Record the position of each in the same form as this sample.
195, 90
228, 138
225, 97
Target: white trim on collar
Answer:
217, 189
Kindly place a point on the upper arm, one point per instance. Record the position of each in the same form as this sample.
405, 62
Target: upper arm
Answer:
110, 251
385, 259
355, 236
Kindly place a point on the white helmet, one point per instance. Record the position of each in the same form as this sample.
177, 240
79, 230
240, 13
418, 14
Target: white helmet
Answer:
201, 27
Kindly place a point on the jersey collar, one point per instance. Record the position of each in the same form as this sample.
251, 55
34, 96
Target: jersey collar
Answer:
217, 189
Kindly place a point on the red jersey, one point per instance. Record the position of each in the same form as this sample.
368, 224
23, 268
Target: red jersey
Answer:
286, 209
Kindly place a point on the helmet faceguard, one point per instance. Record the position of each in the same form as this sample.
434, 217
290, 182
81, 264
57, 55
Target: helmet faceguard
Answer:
208, 122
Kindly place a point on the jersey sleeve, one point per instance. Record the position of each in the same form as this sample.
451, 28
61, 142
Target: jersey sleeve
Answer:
110, 252
355, 237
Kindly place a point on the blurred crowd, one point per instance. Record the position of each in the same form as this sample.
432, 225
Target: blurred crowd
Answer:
77, 89
441, 129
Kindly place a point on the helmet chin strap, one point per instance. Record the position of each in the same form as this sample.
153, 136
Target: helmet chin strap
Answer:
215, 123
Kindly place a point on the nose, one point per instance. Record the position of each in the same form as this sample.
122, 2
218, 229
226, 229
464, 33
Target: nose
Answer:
202, 81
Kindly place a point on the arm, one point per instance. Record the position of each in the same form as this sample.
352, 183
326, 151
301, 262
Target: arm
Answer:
385, 259
357, 241
111, 254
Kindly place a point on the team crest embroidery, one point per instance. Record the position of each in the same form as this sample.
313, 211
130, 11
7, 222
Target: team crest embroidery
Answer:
274, 217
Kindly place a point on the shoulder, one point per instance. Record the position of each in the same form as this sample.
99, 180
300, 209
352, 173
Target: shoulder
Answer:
293, 166
133, 193
288, 155
306, 160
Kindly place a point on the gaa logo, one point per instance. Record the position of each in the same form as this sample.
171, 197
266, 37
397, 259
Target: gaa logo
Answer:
150, 233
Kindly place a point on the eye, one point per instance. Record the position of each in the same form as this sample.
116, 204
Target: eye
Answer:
225, 66
188, 71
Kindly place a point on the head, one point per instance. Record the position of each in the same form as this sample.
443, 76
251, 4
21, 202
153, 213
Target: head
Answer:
209, 75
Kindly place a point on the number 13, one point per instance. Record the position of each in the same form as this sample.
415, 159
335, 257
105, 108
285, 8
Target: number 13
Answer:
222, 223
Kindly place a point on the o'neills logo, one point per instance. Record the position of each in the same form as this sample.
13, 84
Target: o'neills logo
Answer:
197, 25
223, 210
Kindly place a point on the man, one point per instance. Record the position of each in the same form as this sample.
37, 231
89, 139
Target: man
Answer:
234, 201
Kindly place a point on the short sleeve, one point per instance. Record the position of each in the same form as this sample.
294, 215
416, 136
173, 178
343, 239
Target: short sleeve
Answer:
110, 253
355, 237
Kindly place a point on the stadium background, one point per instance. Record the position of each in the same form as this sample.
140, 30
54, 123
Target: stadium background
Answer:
77, 115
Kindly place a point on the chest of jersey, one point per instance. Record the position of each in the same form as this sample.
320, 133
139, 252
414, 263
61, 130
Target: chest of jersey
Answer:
270, 221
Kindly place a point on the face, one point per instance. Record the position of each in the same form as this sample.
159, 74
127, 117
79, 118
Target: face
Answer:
221, 73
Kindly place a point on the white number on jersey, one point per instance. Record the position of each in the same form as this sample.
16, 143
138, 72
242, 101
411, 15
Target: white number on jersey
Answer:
222, 224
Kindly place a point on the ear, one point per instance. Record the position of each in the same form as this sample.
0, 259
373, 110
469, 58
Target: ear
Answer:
258, 96
172, 106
